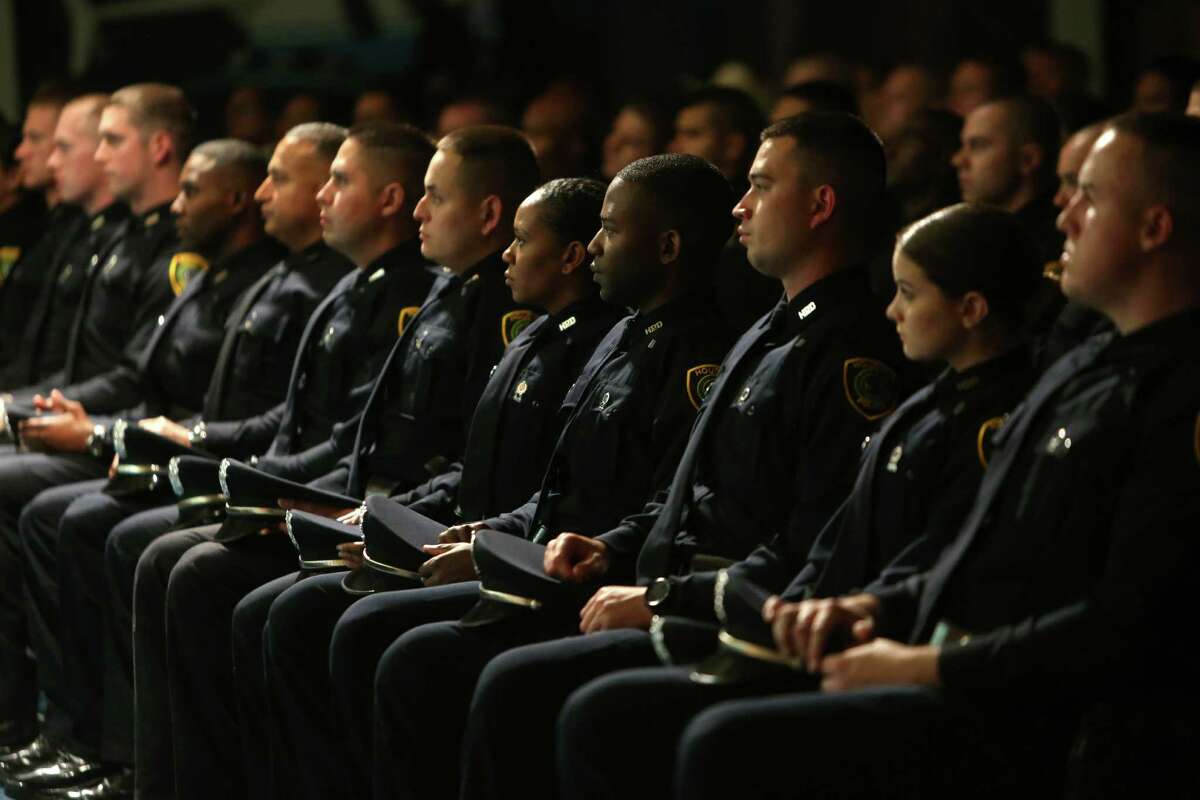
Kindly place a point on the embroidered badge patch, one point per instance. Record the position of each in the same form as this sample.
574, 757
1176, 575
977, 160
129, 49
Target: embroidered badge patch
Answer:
406, 315
184, 267
512, 323
870, 387
983, 442
8, 257
700, 379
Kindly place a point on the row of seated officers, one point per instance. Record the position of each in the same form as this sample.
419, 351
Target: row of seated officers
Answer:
811, 556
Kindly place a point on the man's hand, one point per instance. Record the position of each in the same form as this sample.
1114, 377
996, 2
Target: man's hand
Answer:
450, 563
615, 607
166, 428
881, 662
351, 553
575, 558
354, 517
66, 429
460, 533
332, 512
803, 630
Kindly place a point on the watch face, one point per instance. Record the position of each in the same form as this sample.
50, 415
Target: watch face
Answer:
657, 592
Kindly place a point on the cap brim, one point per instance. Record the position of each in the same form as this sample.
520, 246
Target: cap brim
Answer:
240, 526
369, 581
678, 640
489, 612
197, 514
727, 666
129, 484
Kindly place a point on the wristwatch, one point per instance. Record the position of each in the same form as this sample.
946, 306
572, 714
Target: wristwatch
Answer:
657, 594
197, 434
95, 441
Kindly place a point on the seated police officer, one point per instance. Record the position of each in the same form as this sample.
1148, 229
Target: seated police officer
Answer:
218, 218
415, 419
1071, 577
345, 343
662, 224
250, 377
963, 275
49, 316
513, 431
800, 389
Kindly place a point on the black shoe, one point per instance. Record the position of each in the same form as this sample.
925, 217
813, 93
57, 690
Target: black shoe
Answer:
66, 770
118, 786
38, 752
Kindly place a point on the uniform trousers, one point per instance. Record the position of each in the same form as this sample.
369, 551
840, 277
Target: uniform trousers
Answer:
633, 733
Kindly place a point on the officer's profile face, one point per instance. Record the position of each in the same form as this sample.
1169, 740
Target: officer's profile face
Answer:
122, 153
625, 251
73, 163
450, 214
37, 143
202, 207
928, 322
630, 138
988, 163
535, 258
1070, 160
697, 134
349, 202
1102, 223
771, 212
970, 87
288, 195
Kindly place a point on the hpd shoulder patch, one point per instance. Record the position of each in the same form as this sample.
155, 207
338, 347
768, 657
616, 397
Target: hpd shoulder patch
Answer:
699, 382
184, 267
983, 442
406, 315
871, 387
512, 323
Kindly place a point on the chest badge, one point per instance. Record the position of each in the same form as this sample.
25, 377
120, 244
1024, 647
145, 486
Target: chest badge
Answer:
522, 388
893, 464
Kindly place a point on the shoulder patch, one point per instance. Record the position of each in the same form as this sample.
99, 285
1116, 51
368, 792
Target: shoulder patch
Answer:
8, 257
983, 442
512, 323
699, 382
871, 387
406, 315
184, 267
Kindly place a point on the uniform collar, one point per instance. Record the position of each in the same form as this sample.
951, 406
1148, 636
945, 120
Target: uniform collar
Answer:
402, 255
568, 317
156, 216
113, 212
681, 307
1163, 338
957, 385
308, 255
820, 298
473, 275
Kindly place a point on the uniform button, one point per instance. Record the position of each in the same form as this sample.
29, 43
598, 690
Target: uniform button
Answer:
161, 320
95, 259
745, 395
604, 400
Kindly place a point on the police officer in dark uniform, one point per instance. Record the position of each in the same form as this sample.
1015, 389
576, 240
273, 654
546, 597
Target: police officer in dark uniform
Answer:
216, 215
344, 346
513, 431
916, 482
812, 377
122, 300
251, 375
414, 420
80, 182
630, 409
1073, 573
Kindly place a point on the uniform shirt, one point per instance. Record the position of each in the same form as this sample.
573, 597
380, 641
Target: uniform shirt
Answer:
415, 423
916, 482
172, 373
342, 348
125, 296
517, 420
262, 335
21, 226
49, 330
628, 419
30, 270
777, 448
1075, 569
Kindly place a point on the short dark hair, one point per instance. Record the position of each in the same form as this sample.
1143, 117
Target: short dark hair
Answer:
246, 162
734, 111
325, 137
693, 198
1181, 73
1007, 77
571, 207
1170, 164
847, 155
10, 139
975, 247
824, 96
157, 107
1034, 121
398, 152
53, 93
496, 160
